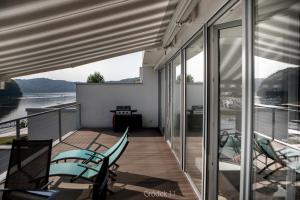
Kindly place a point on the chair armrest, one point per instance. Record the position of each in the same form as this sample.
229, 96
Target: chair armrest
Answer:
46, 185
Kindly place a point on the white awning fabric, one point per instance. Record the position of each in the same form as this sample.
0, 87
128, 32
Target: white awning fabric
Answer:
39, 36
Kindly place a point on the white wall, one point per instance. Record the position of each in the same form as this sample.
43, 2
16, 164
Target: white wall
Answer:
194, 93
46, 126
98, 99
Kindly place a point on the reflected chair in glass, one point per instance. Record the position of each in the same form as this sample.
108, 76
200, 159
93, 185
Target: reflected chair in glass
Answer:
268, 151
230, 144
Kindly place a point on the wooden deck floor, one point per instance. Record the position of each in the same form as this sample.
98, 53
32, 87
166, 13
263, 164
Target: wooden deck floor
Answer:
148, 168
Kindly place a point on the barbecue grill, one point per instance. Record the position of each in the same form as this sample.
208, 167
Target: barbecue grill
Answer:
124, 117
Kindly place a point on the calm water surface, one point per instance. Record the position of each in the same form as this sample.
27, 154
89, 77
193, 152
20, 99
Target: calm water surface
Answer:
16, 107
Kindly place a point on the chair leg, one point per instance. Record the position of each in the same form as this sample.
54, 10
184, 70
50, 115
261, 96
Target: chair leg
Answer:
112, 178
272, 172
117, 165
112, 173
256, 155
268, 165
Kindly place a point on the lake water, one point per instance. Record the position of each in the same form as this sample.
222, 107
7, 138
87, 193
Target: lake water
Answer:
15, 108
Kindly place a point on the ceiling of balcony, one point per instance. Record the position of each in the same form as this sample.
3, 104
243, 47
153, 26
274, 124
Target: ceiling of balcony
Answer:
38, 36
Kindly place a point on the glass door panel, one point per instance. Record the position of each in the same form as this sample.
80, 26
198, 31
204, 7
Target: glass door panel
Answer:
176, 90
276, 142
194, 110
168, 103
230, 98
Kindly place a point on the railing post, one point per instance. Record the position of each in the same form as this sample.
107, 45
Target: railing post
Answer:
79, 112
273, 123
59, 125
17, 129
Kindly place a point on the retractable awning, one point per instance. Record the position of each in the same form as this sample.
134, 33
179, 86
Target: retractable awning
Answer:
38, 36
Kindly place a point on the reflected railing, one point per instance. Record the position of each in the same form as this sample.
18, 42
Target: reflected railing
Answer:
280, 123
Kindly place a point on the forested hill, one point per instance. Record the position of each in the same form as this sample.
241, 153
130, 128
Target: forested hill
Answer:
44, 85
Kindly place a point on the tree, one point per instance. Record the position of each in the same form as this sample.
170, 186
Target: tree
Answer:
12, 89
95, 78
189, 78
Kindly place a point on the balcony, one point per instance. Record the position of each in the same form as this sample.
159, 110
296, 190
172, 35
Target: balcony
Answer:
219, 93
147, 167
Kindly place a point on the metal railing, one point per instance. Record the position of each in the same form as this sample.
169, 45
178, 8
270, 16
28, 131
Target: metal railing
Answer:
22, 122
275, 123
57, 123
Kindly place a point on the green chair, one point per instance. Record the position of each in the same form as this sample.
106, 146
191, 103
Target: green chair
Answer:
268, 150
232, 147
288, 152
98, 175
89, 155
85, 171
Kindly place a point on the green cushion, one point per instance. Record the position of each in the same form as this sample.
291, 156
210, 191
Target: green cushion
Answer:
73, 169
295, 166
265, 145
82, 154
85, 154
289, 152
115, 155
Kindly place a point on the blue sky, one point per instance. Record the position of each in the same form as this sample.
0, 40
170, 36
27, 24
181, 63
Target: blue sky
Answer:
121, 67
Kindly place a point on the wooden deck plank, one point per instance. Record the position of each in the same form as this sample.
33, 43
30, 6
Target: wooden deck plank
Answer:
148, 168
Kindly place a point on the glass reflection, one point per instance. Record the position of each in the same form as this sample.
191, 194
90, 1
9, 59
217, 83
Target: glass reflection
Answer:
194, 110
277, 94
176, 79
230, 96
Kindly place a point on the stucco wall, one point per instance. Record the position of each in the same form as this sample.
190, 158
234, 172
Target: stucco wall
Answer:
98, 99
194, 95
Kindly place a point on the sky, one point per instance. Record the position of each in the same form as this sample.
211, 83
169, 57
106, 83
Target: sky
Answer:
113, 69
127, 66
266, 67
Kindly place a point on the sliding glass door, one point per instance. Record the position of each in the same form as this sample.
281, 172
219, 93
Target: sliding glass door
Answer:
176, 106
168, 104
194, 98
225, 65
230, 98
276, 137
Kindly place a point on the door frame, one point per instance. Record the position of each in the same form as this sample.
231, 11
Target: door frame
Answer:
212, 62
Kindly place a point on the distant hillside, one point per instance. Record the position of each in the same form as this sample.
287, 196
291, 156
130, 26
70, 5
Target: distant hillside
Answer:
127, 80
281, 87
257, 83
44, 85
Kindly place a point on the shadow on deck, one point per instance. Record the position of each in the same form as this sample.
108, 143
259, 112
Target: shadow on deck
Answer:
148, 168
